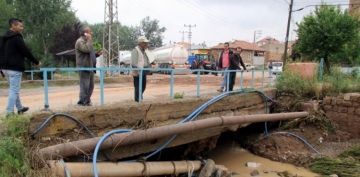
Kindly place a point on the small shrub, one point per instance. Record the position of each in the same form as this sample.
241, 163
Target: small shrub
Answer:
355, 73
12, 157
334, 83
13, 154
179, 95
338, 82
16, 126
290, 82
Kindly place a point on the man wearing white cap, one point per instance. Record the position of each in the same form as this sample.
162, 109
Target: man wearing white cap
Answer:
139, 60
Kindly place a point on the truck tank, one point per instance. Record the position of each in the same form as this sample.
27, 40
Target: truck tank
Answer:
172, 56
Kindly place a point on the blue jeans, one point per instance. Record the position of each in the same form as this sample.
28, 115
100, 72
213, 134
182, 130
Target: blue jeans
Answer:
14, 81
225, 79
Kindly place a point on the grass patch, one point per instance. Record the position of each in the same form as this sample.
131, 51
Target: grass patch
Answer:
293, 83
337, 82
334, 83
345, 165
13, 160
14, 153
179, 95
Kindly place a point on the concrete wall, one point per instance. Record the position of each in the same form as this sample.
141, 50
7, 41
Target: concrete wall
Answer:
345, 112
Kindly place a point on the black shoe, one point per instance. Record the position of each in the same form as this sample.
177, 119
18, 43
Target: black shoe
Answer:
22, 110
80, 103
88, 104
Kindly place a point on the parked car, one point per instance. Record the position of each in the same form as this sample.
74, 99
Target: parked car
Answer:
277, 67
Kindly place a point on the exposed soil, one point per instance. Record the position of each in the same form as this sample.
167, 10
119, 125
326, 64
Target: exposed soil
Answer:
317, 130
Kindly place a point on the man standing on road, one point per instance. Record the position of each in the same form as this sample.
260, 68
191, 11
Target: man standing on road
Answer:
224, 63
235, 60
139, 60
13, 52
85, 58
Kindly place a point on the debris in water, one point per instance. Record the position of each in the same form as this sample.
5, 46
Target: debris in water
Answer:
252, 164
255, 173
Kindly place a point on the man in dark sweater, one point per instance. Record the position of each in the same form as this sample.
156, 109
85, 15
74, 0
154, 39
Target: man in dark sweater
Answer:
13, 52
235, 61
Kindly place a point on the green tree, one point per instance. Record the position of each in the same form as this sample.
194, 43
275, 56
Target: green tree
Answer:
152, 30
97, 30
326, 33
7, 11
43, 19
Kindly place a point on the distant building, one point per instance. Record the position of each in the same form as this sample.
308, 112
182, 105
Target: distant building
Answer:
274, 49
267, 40
354, 7
250, 51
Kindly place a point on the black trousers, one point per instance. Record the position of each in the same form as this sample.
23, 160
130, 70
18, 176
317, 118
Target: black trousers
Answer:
232, 78
136, 85
86, 86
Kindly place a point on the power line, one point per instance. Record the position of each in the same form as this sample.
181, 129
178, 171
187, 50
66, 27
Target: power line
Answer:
316, 5
190, 35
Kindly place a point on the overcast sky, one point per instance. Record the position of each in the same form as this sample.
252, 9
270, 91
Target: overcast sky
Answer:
216, 20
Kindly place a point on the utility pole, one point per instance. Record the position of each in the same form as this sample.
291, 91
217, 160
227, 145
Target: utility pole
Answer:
190, 35
256, 32
287, 32
183, 36
110, 34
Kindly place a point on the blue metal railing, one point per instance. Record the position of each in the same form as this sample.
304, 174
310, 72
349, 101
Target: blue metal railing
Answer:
102, 71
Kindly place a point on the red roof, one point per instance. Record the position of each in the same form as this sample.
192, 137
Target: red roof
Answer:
240, 44
269, 40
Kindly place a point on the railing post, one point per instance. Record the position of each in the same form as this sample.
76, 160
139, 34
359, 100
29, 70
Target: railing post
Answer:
172, 84
32, 75
263, 79
198, 84
140, 83
227, 74
321, 69
241, 79
46, 89
52, 75
252, 80
101, 86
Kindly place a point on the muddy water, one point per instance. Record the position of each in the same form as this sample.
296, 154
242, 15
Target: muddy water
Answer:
235, 159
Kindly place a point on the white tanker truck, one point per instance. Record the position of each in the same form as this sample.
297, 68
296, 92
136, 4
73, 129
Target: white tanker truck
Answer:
172, 56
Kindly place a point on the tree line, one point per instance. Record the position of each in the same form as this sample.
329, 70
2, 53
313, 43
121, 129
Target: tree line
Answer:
52, 27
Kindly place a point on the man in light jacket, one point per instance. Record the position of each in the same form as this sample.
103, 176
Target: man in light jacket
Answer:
140, 58
85, 58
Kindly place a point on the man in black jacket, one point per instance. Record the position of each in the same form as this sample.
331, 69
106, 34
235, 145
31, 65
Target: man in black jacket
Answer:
235, 60
13, 52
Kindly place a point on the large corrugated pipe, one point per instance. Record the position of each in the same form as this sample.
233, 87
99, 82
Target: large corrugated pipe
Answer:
108, 169
88, 145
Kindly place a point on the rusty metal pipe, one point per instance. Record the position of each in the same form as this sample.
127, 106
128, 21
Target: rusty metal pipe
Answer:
88, 145
109, 169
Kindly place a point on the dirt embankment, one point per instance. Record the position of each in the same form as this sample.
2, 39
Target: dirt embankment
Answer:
327, 136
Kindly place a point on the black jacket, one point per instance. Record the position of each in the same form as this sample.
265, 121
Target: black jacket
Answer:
235, 60
13, 52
